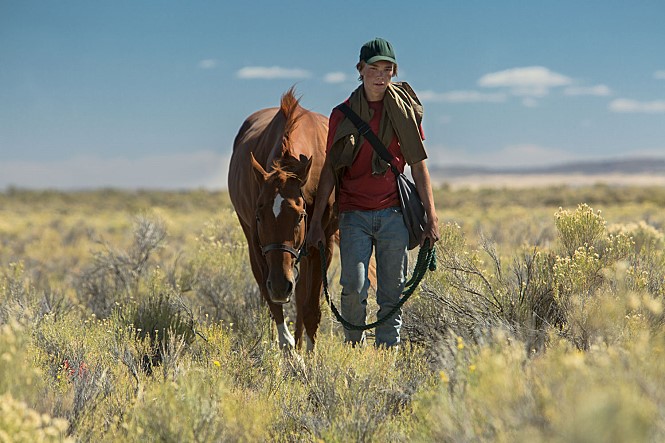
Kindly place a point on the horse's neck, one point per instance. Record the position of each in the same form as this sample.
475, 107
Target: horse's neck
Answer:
275, 132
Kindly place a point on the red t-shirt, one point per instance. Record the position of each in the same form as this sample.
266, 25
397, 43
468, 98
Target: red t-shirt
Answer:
360, 189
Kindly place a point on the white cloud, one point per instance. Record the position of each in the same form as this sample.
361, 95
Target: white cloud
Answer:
659, 75
524, 77
534, 81
461, 97
272, 72
208, 63
201, 169
598, 90
335, 77
531, 91
633, 106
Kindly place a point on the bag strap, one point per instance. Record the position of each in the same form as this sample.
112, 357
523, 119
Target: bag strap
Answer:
371, 137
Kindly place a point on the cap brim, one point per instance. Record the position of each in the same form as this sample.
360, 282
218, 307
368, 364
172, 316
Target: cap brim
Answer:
378, 58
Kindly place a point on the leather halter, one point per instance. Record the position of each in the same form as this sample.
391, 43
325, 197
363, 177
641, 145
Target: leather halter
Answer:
279, 247
298, 254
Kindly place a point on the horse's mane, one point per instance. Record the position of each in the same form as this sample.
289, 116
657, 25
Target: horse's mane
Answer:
289, 108
282, 167
280, 172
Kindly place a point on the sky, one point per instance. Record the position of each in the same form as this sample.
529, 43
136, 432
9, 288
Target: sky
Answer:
150, 94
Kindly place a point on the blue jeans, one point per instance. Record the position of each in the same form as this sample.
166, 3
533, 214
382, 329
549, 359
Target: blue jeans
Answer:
360, 232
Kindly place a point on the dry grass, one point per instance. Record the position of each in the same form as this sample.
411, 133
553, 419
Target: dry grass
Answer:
540, 323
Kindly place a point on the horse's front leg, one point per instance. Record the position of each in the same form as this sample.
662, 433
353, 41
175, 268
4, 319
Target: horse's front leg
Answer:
303, 313
260, 271
309, 294
284, 337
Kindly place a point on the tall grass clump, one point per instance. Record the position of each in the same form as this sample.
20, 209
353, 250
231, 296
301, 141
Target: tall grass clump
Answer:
646, 259
340, 393
18, 377
473, 291
17, 299
18, 422
79, 372
497, 392
160, 318
584, 271
23, 415
199, 406
115, 274
222, 295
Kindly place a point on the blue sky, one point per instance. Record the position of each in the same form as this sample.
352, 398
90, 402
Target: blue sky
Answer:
151, 94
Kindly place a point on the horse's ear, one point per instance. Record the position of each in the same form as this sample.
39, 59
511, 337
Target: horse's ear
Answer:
260, 173
303, 169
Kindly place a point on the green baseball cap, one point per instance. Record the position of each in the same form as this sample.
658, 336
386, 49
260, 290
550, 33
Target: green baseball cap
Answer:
377, 50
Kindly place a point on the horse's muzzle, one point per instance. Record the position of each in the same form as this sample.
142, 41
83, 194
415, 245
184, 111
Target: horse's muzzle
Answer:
281, 302
281, 293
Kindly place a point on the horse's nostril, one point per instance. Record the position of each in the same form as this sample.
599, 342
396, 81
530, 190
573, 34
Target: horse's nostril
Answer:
289, 287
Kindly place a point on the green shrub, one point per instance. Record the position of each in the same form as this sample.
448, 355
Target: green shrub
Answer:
646, 260
20, 423
468, 296
116, 275
340, 393
221, 277
498, 393
18, 376
199, 407
584, 227
17, 298
161, 319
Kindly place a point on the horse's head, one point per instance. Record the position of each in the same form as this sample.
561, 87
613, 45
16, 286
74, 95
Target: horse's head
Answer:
281, 222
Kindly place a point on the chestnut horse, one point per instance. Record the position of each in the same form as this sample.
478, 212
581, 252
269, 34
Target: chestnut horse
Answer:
273, 176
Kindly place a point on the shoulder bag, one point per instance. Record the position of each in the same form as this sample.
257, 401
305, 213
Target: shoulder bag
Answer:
413, 210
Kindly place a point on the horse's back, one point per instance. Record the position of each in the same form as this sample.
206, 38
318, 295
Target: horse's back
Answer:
251, 139
262, 135
252, 129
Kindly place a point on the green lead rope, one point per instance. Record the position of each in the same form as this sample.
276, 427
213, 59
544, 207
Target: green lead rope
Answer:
426, 260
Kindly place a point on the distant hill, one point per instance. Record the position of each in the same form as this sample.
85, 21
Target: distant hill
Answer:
636, 166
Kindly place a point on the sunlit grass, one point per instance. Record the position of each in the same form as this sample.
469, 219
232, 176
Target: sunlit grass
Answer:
544, 321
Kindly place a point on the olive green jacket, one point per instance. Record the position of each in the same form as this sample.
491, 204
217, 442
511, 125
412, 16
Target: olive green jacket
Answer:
404, 116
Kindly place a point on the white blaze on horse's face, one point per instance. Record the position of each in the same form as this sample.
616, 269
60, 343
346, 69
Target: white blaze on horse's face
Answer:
280, 222
277, 205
